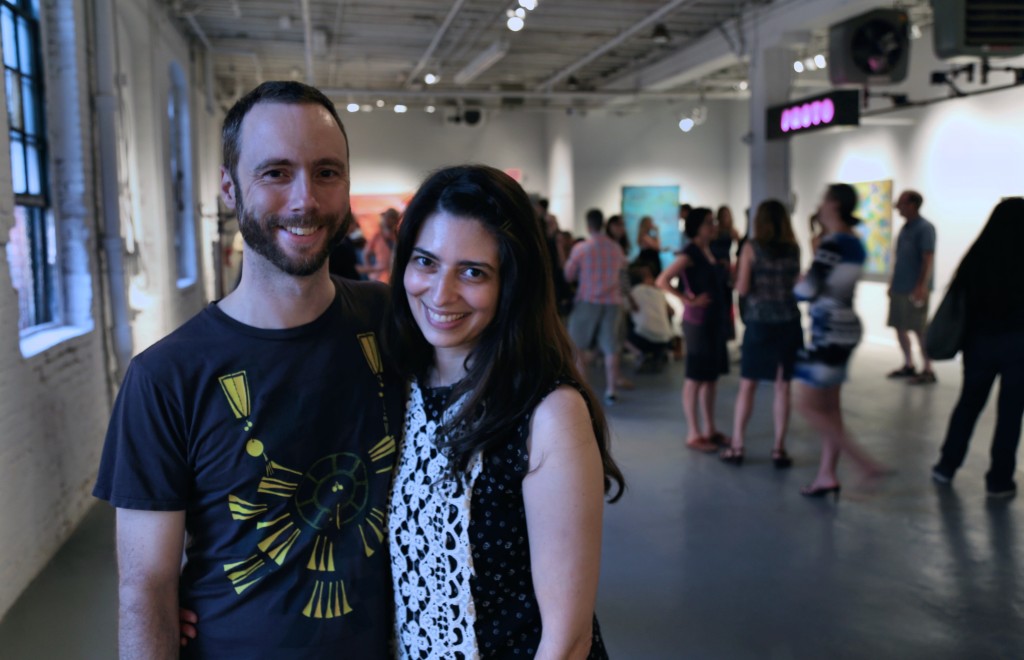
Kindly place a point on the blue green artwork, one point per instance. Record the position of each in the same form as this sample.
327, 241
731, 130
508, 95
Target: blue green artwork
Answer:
662, 204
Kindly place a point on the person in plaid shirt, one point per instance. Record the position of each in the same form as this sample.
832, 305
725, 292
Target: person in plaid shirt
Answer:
598, 265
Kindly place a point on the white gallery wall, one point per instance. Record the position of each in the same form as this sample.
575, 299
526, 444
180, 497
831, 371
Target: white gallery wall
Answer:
392, 153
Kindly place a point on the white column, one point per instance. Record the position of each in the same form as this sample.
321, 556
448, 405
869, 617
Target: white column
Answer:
561, 186
771, 71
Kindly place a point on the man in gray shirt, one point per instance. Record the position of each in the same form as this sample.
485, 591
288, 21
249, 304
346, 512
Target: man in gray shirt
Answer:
910, 286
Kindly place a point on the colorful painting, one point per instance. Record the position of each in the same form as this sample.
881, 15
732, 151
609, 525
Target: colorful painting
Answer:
875, 230
367, 209
662, 204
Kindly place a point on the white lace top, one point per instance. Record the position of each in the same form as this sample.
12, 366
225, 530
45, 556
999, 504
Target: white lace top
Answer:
431, 558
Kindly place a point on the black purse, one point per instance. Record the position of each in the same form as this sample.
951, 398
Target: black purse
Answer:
945, 335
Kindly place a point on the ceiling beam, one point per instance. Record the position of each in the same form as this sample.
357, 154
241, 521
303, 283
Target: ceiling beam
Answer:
612, 43
763, 26
307, 34
435, 42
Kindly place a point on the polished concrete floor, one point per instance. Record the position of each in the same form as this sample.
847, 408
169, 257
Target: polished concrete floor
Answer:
707, 560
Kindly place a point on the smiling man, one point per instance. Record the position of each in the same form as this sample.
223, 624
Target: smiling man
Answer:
257, 439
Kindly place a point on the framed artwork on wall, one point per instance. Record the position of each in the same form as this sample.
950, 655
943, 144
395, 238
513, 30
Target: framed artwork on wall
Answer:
874, 208
662, 204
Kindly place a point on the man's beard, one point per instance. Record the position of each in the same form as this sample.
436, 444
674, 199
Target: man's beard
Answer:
260, 235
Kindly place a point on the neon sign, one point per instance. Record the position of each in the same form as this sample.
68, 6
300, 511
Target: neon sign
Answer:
838, 108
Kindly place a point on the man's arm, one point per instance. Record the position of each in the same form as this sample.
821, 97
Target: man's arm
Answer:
927, 246
149, 548
921, 288
572, 265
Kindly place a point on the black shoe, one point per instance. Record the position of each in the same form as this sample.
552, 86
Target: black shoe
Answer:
781, 459
941, 475
1002, 492
924, 378
905, 371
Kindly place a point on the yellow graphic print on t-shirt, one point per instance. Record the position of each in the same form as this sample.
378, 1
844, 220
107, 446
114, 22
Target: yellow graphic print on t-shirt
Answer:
329, 496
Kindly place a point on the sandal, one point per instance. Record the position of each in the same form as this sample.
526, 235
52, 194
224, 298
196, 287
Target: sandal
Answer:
702, 444
733, 455
719, 439
781, 459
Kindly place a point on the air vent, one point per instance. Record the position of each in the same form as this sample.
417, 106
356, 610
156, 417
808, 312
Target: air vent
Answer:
983, 28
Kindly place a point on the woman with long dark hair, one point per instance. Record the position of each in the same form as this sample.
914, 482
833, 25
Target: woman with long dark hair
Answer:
829, 285
495, 514
703, 289
991, 274
769, 265
615, 229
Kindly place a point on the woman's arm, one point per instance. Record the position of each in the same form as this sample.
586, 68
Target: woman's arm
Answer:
744, 269
564, 499
675, 269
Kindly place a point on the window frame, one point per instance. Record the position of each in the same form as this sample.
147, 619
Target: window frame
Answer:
28, 130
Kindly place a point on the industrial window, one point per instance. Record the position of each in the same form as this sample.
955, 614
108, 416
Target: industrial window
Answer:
181, 178
33, 249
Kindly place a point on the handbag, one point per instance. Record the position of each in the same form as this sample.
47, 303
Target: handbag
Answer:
945, 335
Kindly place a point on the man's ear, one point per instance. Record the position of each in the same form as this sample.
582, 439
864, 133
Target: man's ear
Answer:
227, 188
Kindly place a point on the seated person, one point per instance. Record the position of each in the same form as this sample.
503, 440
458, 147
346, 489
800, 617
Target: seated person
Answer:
650, 333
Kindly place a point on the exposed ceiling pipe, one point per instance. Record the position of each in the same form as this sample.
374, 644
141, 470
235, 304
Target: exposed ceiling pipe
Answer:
608, 45
307, 34
425, 58
456, 95
207, 61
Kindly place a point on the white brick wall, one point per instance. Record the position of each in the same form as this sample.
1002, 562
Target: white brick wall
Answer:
54, 406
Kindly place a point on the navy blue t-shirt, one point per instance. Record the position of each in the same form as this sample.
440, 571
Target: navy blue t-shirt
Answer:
279, 446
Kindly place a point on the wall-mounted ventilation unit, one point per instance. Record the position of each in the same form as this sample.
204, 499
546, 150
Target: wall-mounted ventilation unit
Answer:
870, 48
983, 28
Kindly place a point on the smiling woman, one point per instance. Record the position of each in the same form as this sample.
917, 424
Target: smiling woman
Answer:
452, 284
495, 513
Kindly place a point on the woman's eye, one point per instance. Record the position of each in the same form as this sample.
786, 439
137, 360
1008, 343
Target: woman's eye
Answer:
475, 273
422, 262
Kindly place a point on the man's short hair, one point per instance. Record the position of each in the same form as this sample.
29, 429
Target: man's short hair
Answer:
595, 220
274, 91
685, 208
914, 197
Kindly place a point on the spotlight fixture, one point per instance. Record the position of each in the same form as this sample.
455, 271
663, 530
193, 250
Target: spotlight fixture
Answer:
515, 24
798, 66
686, 124
352, 107
528, 5
660, 35
400, 108
380, 103
430, 109
820, 61
431, 78
743, 85
521, 13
